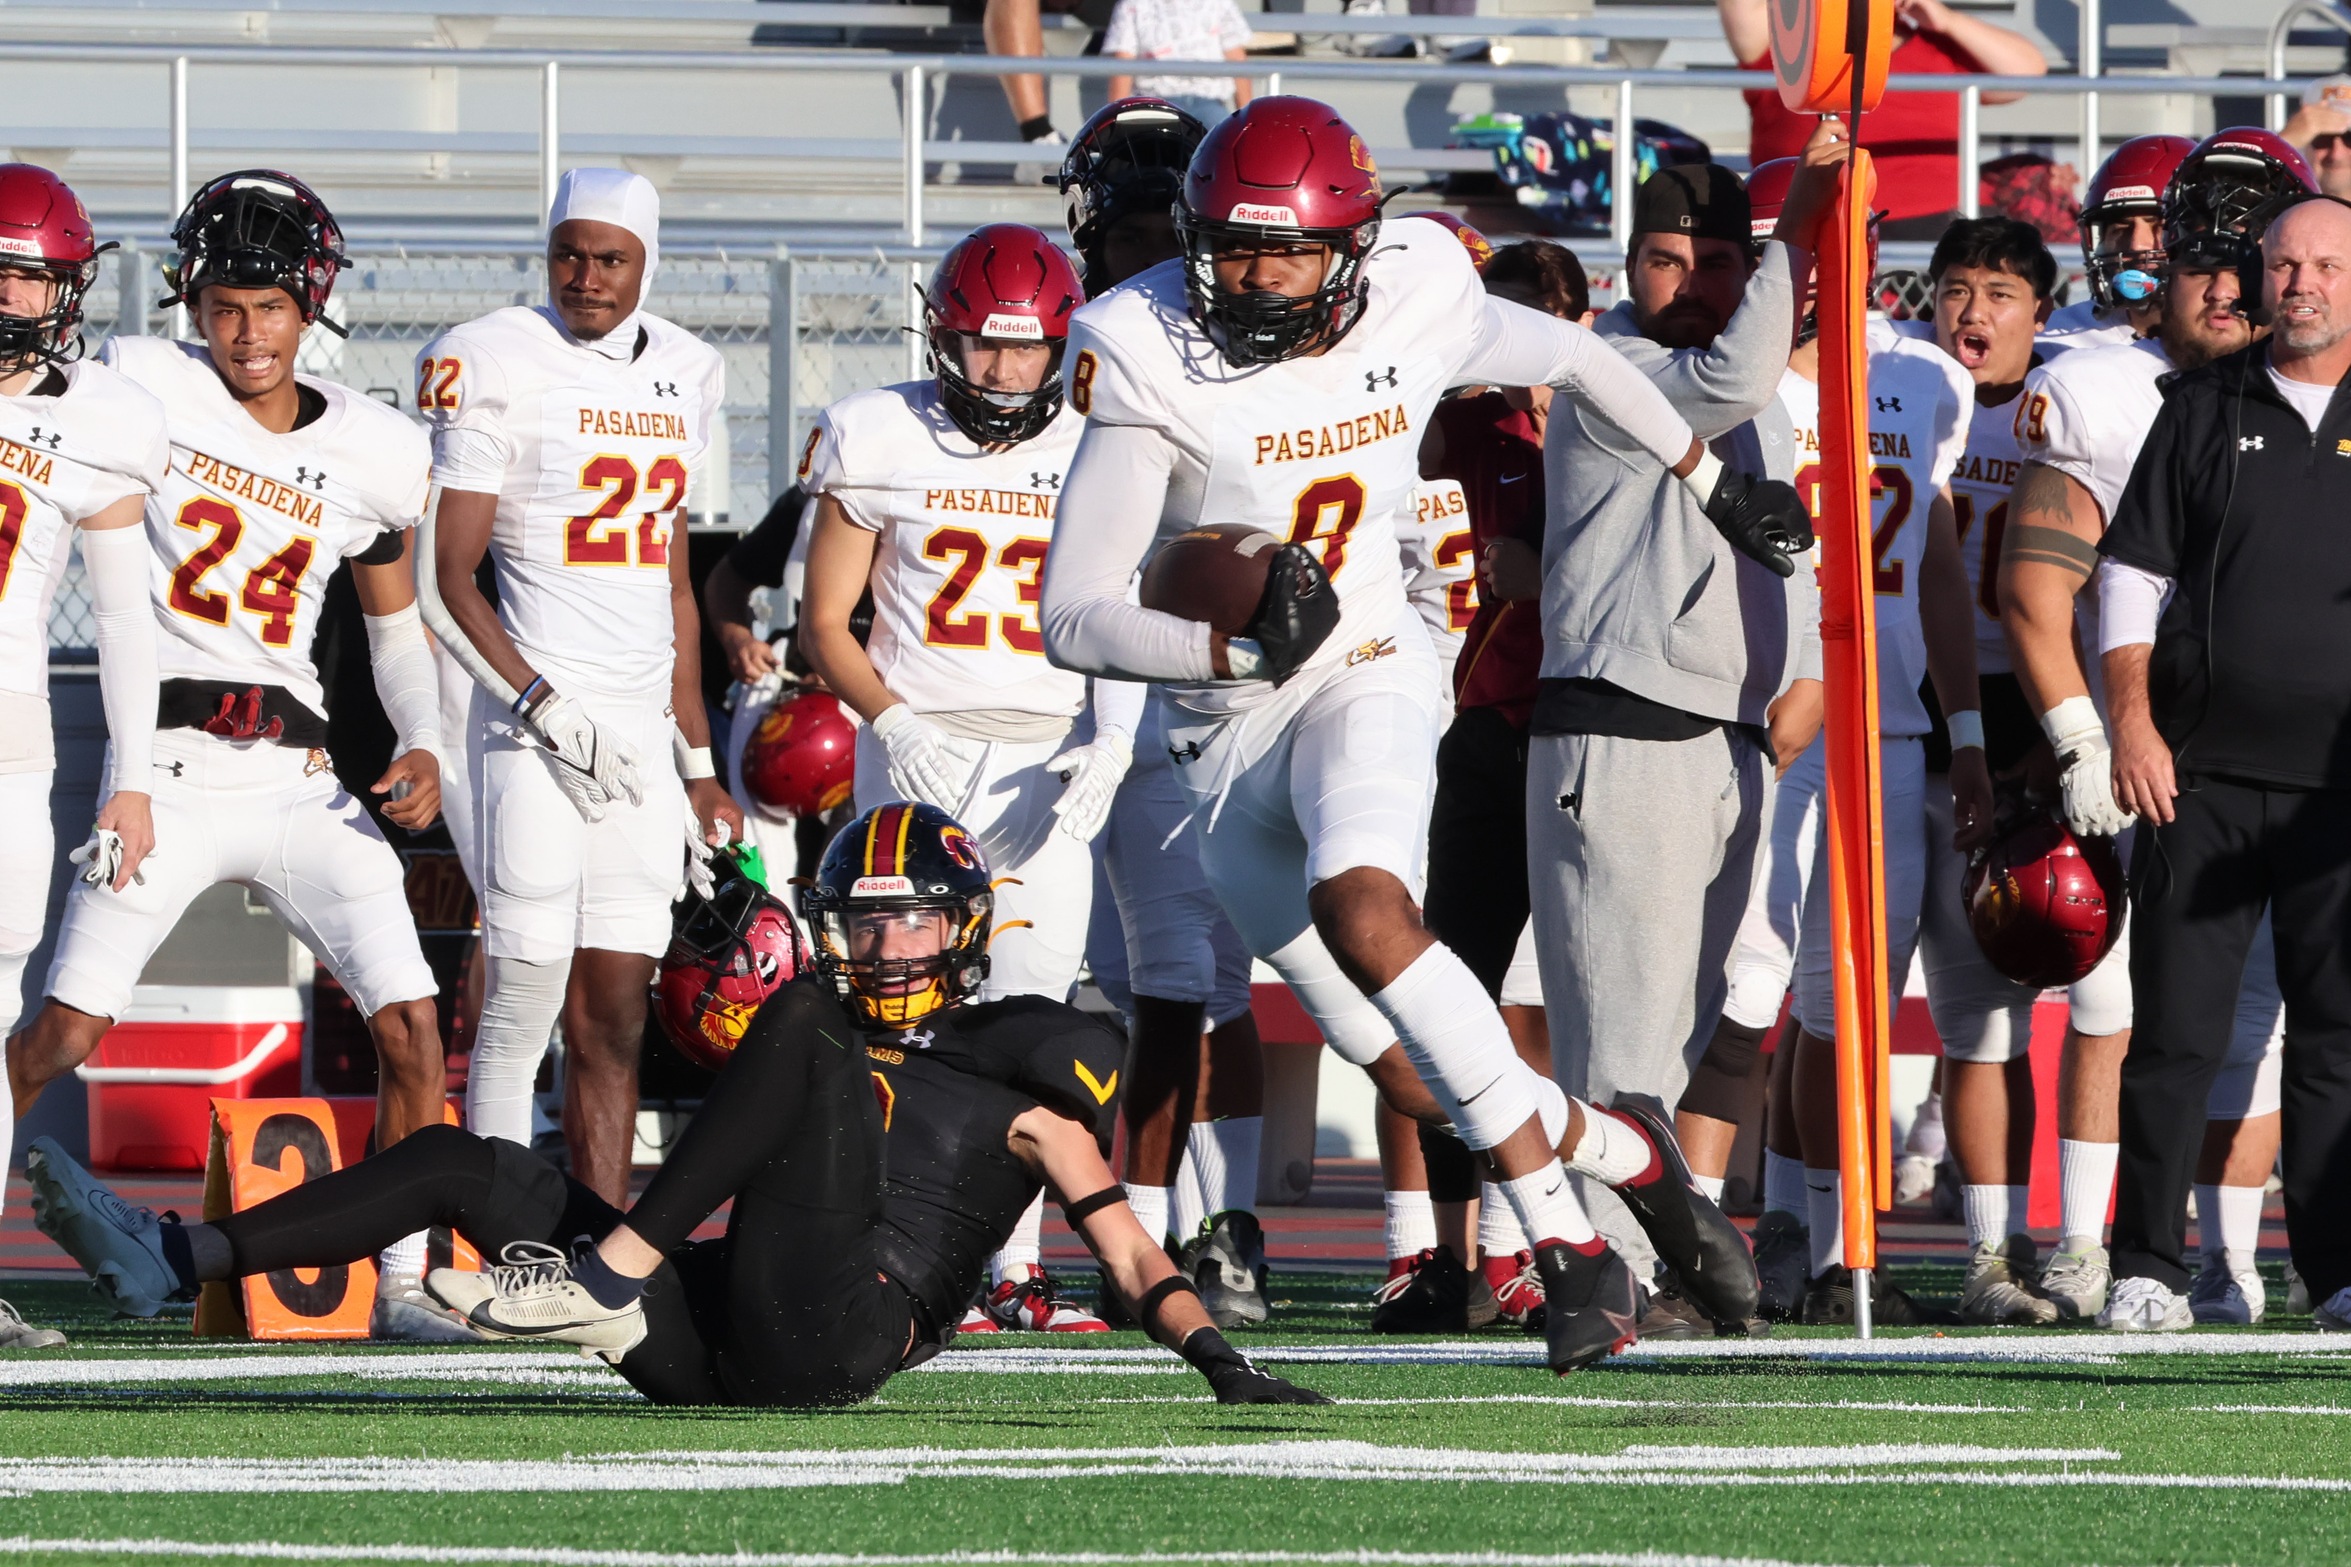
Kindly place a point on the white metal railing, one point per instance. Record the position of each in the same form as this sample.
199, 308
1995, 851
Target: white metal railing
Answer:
916, 74
2300, 10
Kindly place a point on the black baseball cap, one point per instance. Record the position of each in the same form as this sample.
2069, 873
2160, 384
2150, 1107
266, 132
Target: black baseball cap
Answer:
1702, 200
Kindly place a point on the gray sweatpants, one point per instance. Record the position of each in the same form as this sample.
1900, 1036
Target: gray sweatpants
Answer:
1639, 857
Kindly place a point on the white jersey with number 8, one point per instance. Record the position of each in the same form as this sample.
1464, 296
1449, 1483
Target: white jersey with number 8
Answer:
589, 457
961, 554
250, 524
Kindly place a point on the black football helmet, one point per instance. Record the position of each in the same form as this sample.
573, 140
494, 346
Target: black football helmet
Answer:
1130, 157
2225, 192
899, 858
258, 228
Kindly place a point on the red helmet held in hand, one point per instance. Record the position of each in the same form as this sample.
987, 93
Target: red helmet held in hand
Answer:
802, 759
1002, 285
1283, 171
2045, 905
44, 229
727, 954
2129, 184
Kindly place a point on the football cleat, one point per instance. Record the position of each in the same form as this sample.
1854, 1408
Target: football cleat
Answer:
1228, 1269
1030, 1305
1828, 1302
16, 1333
1999, 1291
1432, 1296
2297, 1292
1783, 1265
2076, 1278
2335, 1315
405, 1314
1672, 1315
1517, 1288
977, 1320
2222, 1297
120, 1247
530, 1294
2145, 1306
1591, 1304
1694, 1237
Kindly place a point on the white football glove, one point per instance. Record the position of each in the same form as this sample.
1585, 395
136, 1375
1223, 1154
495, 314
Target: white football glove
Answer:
591, 764
2087, 779
926, 763
701, 853
1092, 774
101, 859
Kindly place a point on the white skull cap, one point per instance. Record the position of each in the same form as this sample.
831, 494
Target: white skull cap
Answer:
612, 196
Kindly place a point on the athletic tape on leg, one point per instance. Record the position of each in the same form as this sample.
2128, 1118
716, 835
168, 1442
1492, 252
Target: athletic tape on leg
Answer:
1456, 1040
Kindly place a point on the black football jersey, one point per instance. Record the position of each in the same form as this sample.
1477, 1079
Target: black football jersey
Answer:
950, 1089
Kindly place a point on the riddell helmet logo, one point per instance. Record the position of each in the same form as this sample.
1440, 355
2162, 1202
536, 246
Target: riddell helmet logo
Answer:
1251, 212
1000, 324
2147, 193
882, 887
10, 245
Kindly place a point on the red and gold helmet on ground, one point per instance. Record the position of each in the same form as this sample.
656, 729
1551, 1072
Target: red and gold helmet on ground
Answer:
1005, 283
2129, 184
727, 954
1480, 248
1283, 171
44, 229
801, 759
901, 861
2045, 905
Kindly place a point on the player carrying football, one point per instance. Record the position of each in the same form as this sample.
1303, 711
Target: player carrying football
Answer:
1279, 375
275, 479
565, 436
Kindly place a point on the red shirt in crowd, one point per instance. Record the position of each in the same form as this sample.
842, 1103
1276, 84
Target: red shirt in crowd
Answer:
1493, 451
1913, 136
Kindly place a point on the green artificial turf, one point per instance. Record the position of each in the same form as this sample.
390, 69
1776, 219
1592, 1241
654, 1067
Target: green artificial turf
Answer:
1068, 1464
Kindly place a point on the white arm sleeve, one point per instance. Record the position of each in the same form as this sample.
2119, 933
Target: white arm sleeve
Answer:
444, 625
1118, 704
406, 681
1511, 345
117, 561
1109, 511
2130, 602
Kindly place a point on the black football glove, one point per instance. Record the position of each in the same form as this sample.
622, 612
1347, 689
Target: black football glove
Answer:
1296, 616
1764, 519
1235, 1379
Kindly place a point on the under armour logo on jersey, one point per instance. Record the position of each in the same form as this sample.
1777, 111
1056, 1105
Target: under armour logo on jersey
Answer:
49, 440
173, 768
1373, 380
665, 389
1889, 405
921, 1038
1044, 481
1189, 751
317, 481
2248, 443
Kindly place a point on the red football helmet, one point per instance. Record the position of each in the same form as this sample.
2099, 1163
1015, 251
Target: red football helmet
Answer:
257, 228
2129, 184
2045, 905
1767, 192
2225, 192
1283, 171
1130, 157
802, 758
1480, 248
45, 229
1009, 282
727, 954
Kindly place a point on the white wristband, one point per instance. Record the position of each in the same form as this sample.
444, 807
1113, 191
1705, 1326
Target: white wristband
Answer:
1244, 658
1966, 729
1702, 478
694, 762
2070, 722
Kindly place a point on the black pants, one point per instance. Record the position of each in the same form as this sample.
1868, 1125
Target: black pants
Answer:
2199, 886
788, 1308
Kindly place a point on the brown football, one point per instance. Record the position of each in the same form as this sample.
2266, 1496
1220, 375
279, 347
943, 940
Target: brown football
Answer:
1215, 573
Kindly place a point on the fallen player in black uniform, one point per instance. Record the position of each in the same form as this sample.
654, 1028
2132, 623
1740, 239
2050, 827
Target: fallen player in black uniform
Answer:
839, 1267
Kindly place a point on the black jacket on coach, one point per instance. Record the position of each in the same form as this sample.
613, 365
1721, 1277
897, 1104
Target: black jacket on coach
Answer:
2248, 511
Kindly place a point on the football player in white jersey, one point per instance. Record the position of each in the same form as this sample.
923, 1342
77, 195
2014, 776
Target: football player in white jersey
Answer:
275, 480
80, 448
939, 496
565, 436
1280, 374
2122, 246
2079, 427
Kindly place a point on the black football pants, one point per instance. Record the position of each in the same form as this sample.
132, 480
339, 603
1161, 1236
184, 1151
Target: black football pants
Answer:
787, 1308
2199, 885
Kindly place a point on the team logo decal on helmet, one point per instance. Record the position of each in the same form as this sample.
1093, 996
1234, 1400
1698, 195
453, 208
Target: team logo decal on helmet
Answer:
901, 859
1129, 158
1480, 248
2128, 185
1283, 171
727, 954
1008, 283
801, 759
2045, 905
45, 229
258, 228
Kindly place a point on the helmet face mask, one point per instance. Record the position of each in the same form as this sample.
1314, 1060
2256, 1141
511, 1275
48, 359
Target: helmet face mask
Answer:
45, 236
1004, 286
727, 954
2126, 190
2224, 194
973, 373
257, 228
902, 909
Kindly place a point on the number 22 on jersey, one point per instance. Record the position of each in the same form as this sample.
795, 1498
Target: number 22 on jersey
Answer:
1888, 484
600, 538
270, 591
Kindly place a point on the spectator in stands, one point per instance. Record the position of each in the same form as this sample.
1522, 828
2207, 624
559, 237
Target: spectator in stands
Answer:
1015, 27
2321, 131
1914, 136
1181, 30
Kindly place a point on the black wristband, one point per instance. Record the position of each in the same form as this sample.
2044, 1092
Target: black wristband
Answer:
1087, 1207
1147, 1308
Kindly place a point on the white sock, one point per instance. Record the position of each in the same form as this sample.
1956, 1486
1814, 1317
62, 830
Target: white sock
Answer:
2085, 1185
1499, 1232
2240, 1225
1926, 1130
1186, 1207
404, 1256
1150, 1205
1225, 1154
1457, 1042
520, 1004
1783, 1184
1611, 1151
1025, 1247
1824, 1203
1993, 1213
1711, 1185
1412, 1223
1546, 1205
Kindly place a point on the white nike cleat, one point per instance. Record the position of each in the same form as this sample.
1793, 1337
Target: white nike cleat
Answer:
120, 1247
405, 1314
2145, 1306
1999, 1291
2219, 1296
16, 1333
2076, 1277
531, 1294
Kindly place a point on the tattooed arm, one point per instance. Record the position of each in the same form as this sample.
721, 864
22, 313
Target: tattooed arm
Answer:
2050, 550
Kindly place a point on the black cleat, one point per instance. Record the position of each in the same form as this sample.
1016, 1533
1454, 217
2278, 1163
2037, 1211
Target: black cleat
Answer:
1694, 1239
1672, 1315
1828, 1302
1591, 1306
1228, 1270
1783, 1262
1435, 1300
